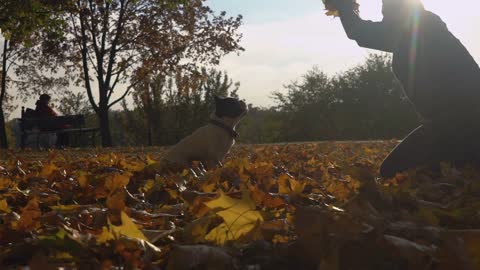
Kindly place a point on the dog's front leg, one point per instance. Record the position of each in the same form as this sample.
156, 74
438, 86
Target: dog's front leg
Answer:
201, 168
210, 164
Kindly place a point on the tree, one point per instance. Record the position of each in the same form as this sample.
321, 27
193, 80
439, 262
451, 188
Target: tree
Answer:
262, 125
373, 104
3, 90
23, 25
73, 103
365, 102
306, 103
120, 43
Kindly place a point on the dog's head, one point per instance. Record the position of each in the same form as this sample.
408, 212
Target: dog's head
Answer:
230, 107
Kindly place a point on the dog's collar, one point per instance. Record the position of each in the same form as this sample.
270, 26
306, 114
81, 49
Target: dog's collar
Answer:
228, 129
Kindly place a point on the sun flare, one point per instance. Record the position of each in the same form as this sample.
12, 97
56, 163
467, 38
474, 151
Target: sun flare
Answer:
460, 16
440, 6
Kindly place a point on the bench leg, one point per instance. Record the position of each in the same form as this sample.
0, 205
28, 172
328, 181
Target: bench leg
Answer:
38, 141
92, 137
22, 141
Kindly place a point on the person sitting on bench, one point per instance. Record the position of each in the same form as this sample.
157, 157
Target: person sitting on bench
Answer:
44, 109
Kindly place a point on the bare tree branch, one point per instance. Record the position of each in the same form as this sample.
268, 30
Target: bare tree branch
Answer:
123, 96
85, 65
119, 30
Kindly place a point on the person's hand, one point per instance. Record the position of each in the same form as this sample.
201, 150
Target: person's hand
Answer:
336, 7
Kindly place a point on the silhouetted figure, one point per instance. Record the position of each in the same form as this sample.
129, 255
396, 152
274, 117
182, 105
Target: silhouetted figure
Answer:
438, 75
43, 109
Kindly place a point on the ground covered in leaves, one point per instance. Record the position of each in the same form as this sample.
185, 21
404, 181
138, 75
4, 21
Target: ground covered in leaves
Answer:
293, 206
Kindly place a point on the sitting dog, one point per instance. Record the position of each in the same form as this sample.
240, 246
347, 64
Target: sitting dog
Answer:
211, 143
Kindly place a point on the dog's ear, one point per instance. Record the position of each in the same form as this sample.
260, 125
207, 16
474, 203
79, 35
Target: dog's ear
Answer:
218, 100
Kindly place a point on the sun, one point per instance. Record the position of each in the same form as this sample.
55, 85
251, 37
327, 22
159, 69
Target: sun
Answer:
448, 9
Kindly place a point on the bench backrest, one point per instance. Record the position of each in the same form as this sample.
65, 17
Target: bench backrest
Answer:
52, 123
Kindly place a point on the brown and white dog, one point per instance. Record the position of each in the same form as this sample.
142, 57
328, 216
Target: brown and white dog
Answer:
211, 143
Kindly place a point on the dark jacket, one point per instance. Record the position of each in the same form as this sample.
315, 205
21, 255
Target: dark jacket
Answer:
43, 110
438, 74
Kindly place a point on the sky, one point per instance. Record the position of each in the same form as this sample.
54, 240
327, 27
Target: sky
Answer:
283, 39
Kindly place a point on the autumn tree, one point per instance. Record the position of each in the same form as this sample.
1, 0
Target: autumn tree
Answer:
30, 30
371, 103
73, 103
119, 43
308, 101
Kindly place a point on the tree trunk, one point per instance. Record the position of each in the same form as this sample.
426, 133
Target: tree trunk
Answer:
105, 127
3, 132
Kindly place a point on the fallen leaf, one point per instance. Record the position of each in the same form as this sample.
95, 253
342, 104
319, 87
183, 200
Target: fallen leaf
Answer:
128, 228
30, 217
117, 181
240, 217
4, 206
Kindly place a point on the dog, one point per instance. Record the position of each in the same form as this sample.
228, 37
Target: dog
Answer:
211, 143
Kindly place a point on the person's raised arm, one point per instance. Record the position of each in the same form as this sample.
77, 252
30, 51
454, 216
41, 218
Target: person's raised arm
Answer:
368, 34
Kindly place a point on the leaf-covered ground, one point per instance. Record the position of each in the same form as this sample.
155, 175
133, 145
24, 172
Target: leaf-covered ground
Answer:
294, 206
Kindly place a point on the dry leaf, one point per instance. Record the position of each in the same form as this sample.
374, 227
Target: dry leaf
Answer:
240, 217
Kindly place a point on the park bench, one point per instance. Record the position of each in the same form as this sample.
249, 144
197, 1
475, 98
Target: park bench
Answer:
33, 129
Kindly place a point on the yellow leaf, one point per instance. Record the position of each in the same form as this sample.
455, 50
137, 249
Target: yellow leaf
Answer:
208, 187
117, 181
116, 200
70, 207
83, 179
280, 239
148, 186
4, 206
132, 166
105, 236
63, 256
342, 189
283, 184
185, 172
172, 192
47, 170
128, 228
288, 185
31, 214
5, 183
223, 202
332, 11
150, 160
240, 217
106, 159
241, 163
297, 186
